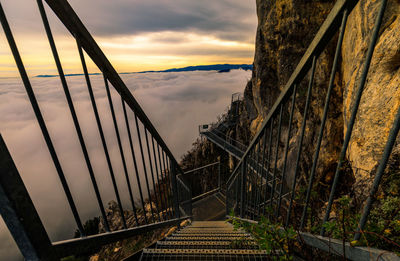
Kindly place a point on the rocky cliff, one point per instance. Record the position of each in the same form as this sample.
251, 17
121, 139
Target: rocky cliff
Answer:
381, 96
285, 29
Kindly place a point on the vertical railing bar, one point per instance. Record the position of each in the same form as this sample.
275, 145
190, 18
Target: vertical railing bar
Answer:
271, 129
103, 141
286, 150
367, 63
228, 200
250, 181
72, 109
167, 161
162, 180
158, 178
39, 117
243, 187
175, 194
144, 167
152, 173
303, 127
219, 175
168, 177
255, 179
167, 183
278, 137
379, 173
262, 169
92, 177
250, 178
128, 129
121, 150
259, 174
259, 171
322, 126
237, 193
164, 183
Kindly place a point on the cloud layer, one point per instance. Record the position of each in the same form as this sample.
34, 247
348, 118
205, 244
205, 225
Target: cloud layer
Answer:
176, 103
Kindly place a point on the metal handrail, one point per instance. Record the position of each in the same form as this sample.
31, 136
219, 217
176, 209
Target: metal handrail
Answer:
168, 191
213, 170
245, 190
200, 168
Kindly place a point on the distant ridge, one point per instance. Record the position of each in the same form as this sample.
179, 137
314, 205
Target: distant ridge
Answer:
213, 67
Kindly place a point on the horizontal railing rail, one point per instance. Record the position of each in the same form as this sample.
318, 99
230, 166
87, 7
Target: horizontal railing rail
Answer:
246, 193
210, 171
214, 129
201, 168
161, 197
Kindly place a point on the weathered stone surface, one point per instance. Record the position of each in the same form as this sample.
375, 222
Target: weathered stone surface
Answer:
381, 95
285, 29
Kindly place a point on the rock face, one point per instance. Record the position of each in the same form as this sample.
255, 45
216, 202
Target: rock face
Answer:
285, 29
381, 96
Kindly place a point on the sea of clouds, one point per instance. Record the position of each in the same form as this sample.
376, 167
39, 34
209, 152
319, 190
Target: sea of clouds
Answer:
176, 103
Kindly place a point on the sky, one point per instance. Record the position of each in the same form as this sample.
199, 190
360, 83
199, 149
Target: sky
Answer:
136, 35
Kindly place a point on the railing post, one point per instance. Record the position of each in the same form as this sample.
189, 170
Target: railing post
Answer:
175, 196
219, 175
228, 200
243, 187
19, 213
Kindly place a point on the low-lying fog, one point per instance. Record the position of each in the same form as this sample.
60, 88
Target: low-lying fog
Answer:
176, 103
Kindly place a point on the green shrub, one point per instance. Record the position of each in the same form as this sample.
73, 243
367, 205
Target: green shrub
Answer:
269, 236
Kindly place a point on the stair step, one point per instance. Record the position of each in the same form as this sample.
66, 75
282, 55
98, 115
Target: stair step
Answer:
204, 254
211, 235
205, 251
222, 230
206, 244
210, 224
206, 238
210, 228
207, 232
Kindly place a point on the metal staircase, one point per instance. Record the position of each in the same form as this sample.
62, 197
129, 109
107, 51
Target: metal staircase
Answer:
166, 199
224, 143
206, 240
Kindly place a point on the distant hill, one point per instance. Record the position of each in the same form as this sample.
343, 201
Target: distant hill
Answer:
213, 67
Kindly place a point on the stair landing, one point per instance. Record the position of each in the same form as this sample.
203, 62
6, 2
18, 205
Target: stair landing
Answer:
210, 208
